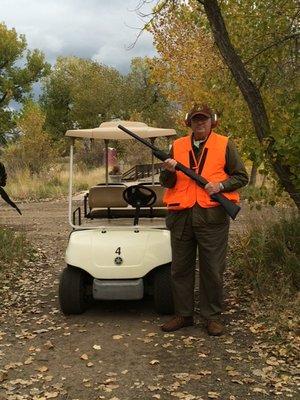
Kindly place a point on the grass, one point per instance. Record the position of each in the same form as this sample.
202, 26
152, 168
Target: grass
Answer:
266, 262
267, 256
14, 249
52, 184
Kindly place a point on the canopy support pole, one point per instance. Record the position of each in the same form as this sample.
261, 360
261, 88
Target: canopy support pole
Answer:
152, 160
71, 181
106, 161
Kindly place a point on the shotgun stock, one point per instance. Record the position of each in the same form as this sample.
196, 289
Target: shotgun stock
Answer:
229, 206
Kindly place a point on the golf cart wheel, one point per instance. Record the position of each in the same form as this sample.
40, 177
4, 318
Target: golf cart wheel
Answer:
163, 298
75, 290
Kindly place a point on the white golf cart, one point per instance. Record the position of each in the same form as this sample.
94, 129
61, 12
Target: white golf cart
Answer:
122, 258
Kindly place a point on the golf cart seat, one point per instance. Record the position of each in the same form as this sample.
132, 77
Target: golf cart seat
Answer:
102, 199
108, 202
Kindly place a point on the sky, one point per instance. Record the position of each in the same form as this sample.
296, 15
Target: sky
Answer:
98, 29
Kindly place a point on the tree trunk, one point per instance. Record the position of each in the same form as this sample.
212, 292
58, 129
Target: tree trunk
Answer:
253, 174
251, 95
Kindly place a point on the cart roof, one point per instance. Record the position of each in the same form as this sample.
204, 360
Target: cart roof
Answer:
110, 130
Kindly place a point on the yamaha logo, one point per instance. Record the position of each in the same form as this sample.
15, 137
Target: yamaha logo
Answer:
118, 260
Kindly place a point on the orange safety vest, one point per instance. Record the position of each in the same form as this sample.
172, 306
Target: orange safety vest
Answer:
186, 193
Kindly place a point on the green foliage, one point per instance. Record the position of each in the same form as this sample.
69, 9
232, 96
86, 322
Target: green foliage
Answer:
80, 93
13, 249
265, 195
34, 149
267, 258
145, 100
16, 81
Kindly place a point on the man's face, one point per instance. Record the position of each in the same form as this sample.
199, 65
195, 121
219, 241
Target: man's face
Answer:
201, 126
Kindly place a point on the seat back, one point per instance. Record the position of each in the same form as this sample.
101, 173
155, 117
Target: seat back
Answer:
106, 196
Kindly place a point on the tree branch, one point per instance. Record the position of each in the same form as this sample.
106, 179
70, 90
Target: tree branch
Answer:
278, 43
3, 97
152, 14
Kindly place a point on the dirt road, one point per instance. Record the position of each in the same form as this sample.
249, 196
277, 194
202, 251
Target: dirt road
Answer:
116, 350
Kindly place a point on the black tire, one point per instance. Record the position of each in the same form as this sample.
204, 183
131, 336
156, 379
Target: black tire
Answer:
75, 290
162, 290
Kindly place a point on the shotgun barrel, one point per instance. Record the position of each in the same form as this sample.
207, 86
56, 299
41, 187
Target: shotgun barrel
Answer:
229, 206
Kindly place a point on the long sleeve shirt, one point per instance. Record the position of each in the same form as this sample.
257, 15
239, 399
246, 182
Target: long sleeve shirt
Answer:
234, 167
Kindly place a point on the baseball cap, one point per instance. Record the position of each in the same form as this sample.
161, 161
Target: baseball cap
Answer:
196, 110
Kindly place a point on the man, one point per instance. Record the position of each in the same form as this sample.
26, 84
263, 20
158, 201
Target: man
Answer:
194, 220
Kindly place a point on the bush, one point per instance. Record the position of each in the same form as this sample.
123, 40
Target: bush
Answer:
34, 149
13, 249
257, 197
267, 258
89, 154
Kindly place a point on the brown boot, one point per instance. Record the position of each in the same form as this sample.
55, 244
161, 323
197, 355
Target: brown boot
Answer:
215, 328
176, 323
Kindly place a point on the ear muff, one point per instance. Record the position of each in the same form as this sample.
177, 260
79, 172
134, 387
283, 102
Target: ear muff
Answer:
214, 120
187, 119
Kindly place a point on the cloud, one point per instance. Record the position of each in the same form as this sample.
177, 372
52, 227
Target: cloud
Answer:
96, 29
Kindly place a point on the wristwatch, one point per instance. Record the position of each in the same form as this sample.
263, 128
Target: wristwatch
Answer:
221, 186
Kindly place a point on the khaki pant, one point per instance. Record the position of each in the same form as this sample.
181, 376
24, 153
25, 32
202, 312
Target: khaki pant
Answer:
207, 229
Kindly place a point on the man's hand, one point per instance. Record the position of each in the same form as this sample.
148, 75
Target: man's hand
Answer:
170, 164
212, 187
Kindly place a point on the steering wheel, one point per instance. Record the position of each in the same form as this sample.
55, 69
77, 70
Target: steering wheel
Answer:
139, 196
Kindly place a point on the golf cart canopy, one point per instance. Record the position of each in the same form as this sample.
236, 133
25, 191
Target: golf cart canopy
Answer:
110, 131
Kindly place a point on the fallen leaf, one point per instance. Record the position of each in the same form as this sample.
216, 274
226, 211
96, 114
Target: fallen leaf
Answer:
205, 372
153, 362
29, 360
42, 369
272, 361
89, 364
259, 390
51, 395
48, 345
213, 395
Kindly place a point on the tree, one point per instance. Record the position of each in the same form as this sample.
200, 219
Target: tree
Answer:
16, 76
80, 93
145, 100
34, 149
262, 63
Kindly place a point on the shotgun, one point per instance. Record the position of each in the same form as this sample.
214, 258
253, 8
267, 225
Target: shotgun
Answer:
229, 206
